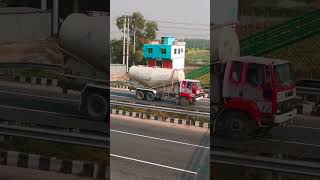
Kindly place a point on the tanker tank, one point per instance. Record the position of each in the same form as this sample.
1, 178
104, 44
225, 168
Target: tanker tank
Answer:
152, 76
87, 37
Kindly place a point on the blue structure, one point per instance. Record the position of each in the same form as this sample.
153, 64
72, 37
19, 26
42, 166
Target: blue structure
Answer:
167, 53
159, 51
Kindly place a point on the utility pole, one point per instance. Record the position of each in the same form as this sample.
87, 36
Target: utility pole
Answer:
124, 40
128, 42
55, 23
134, 43
44, 4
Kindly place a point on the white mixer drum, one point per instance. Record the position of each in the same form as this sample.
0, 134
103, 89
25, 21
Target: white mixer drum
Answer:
155, 76
225, 43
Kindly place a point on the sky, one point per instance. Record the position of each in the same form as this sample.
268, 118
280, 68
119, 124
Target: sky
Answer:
178, 18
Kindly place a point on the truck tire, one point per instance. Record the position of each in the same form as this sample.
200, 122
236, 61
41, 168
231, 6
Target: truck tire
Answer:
184, 101
150, 96
140, 95
97, 106
237, 125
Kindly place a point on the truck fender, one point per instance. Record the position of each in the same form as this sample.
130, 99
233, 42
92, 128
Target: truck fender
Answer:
246, 106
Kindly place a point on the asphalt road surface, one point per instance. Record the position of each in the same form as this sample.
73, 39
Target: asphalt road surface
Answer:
15, 173
142, 150
202, 105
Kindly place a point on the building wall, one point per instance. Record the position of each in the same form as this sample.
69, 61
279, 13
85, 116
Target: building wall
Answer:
177, 55
23, 27
156, 52
178, 63
168, 40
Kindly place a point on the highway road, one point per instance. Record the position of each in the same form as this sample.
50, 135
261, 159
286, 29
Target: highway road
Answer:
155, 150
300, 140
124, 95
15, 173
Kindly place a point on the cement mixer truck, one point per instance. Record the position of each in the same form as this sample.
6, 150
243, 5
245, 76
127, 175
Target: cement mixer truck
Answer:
250, 94
153, 83
84, 42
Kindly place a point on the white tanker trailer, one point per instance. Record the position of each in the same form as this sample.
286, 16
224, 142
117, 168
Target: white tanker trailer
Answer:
153, 83
84, 42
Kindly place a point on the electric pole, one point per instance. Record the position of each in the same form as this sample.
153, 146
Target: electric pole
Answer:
128, 42
124, 40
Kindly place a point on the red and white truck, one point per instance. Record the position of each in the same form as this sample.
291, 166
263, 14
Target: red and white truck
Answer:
250, 94
153, 83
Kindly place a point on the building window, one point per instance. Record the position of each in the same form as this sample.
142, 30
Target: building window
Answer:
149, 50
175, 51
181, 50
163, 51
178, 51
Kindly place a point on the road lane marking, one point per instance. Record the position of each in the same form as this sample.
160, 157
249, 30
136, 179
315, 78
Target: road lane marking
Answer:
292, 142
46, 97
304, 127
35, 110
160, 139
154, 164
120, 96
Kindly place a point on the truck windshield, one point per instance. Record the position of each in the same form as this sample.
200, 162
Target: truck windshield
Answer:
198, 84
283, 74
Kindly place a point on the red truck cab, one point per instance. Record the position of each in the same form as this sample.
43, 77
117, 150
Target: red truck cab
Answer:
257, 93
190, 91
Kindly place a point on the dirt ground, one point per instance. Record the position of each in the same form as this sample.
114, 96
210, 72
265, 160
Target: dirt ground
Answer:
44, 51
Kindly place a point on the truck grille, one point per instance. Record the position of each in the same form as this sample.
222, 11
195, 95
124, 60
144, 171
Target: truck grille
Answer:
286, 106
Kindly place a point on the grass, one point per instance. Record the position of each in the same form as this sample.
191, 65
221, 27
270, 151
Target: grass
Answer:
163, 114
195, 56
52, 149
304, 55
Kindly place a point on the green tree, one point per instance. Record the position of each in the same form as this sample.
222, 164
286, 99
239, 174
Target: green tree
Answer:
140, 29
151, 30
116, 51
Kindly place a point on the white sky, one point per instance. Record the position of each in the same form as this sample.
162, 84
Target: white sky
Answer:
194, 13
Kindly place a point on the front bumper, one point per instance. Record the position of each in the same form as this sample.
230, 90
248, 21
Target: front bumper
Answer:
285, 117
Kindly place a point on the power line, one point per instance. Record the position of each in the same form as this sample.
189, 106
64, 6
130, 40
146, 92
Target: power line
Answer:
172, 27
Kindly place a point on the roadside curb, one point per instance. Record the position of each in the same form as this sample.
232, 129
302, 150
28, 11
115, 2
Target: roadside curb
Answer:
171, 120
73, 167
36, 80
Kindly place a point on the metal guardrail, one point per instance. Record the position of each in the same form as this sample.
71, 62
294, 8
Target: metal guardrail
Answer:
163, 109
266, 163
55, 136
308, 90
53, 126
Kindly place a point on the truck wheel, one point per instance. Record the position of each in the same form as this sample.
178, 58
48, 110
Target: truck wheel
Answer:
97, 106
184, 101
150, 96
237, 125
140, 95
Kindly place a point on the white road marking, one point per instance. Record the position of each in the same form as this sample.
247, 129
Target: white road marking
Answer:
154, 164
304, 127
120, 96
35, 110
46, 97
160, 139
293, 142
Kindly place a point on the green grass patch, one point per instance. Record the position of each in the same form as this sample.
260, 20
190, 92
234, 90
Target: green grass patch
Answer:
197, 56
162, 114
53, 149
